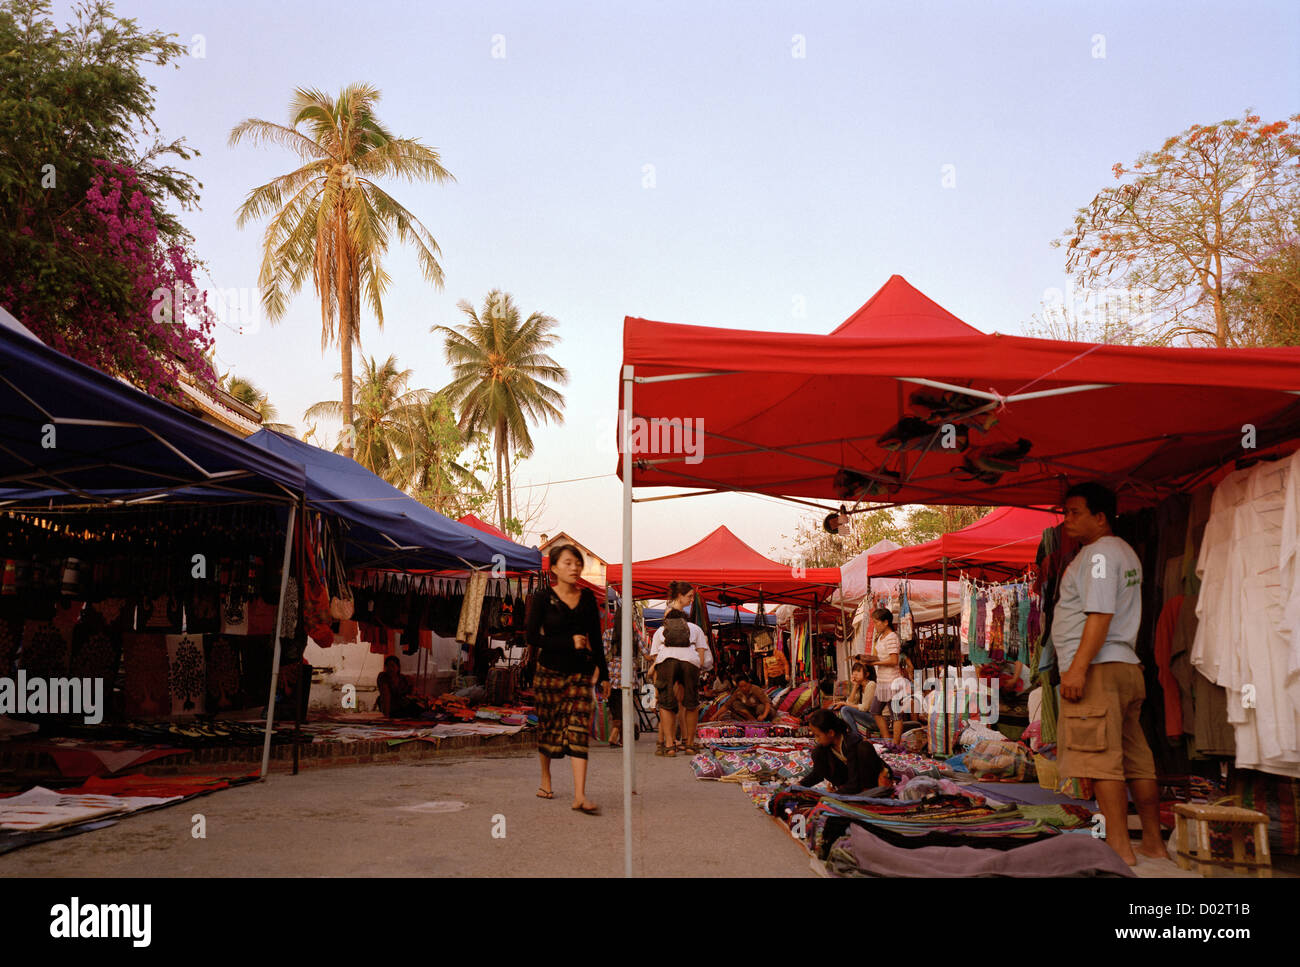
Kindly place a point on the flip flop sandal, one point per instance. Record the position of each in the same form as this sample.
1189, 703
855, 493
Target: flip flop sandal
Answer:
616, 745
544, 794
660, 749
593, 811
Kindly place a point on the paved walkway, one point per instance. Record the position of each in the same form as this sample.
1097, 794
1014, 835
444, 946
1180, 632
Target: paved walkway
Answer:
381, 820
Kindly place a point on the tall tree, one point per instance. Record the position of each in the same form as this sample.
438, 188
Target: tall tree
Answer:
1268, 303
93, 258
501, 373
329, 217
814, 547
1211, 203
255, 398
383, 399
431, 444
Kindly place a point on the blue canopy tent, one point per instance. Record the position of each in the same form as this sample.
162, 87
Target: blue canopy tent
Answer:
718, 615
67, 430
72, 435
388, 528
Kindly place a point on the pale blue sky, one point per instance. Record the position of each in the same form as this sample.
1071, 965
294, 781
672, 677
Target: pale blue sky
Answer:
776, 177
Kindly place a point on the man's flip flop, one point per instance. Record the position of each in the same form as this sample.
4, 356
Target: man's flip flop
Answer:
544, 793
593, 811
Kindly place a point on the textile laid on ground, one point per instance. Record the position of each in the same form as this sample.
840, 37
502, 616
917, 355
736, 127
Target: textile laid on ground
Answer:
905, 765
77, 759
190, 735
39, 815
751, 730
167, 787
40, 808
860, 853
395, 732
762, 762
10, 728
1027, 793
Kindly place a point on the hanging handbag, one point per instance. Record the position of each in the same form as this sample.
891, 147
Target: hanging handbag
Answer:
905, 624
314, 602
342, 604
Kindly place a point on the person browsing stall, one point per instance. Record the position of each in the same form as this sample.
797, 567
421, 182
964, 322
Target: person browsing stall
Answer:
678, 650
844, 759
563, 627
1095, 628
890, 683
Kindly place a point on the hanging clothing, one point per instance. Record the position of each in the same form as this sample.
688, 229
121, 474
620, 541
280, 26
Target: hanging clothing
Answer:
1240, 641
1173, 700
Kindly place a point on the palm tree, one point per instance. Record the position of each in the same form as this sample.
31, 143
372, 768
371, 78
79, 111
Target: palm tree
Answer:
431, 445
383, 401
251, 396
330, 219
500, 376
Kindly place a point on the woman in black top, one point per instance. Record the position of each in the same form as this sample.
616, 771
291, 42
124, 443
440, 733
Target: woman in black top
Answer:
564, 633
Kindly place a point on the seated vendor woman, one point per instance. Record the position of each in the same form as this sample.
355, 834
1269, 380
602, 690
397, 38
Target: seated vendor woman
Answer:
395, 698
749, 702
841, 757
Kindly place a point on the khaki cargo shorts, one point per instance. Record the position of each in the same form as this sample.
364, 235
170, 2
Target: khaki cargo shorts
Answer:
1100, 736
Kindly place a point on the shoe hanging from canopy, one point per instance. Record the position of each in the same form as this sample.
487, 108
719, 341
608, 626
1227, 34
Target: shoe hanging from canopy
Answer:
905, 403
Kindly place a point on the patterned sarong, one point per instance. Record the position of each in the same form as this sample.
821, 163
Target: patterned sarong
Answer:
563, 713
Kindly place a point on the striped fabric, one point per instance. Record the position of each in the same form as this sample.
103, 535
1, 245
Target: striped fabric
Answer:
563, 713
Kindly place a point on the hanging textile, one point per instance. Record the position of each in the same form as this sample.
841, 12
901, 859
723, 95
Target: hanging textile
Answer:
906, 627
1244, 641
472, 607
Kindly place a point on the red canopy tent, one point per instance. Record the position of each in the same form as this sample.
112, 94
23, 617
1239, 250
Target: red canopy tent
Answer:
722, 565
484, 526
1003, 542
798, 415
786, 413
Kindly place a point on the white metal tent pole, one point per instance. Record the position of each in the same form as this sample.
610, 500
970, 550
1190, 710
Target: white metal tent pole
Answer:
279, 626
629, 728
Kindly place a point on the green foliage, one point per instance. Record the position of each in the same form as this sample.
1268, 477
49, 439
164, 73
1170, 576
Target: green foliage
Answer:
1267, 301
501, 376
329, 219
814, 547
1211, 207
71, 96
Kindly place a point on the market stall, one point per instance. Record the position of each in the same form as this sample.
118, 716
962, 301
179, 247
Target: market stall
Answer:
436, 592
96, 474
724, 569
943, 413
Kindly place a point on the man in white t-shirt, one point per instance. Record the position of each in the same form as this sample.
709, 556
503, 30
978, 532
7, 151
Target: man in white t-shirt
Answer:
1095, 628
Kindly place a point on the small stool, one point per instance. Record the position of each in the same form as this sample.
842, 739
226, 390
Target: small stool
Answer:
1192, 835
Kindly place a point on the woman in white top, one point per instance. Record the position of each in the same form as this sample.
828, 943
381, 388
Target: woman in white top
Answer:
889, 679
678, 650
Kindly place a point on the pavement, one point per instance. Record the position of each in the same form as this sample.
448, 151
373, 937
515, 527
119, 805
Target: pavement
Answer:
465, 816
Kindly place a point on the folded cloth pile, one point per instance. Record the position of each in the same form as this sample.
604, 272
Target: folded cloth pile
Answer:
905, 765
761, 762
861, 853
788, 728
